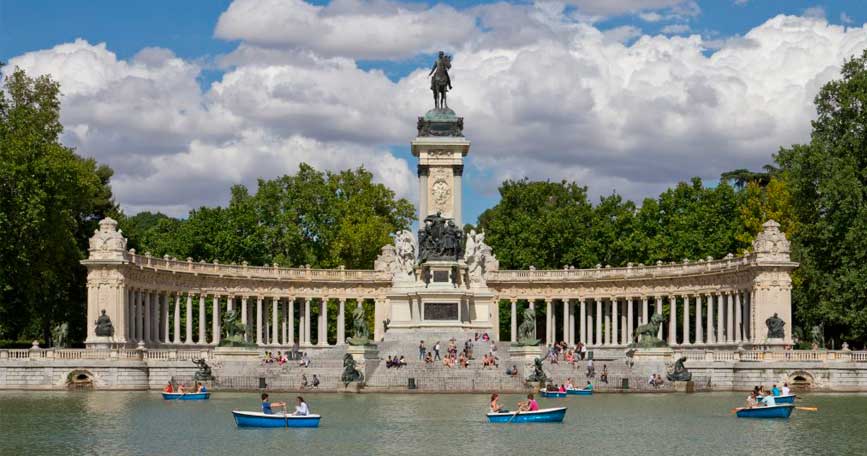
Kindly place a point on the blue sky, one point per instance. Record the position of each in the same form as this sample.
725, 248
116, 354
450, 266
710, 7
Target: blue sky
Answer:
632, 161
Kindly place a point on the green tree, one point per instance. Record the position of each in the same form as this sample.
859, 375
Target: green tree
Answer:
50, 202
827, 179
323, 219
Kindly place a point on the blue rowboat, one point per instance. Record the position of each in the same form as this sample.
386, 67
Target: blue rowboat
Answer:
772, 411
262, 420
186, 396
549, 415
580, 392
553, 394
787, 399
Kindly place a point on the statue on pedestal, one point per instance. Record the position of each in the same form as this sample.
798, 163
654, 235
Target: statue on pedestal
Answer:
527, 330
234, 331
361, 335
441, 82
538, 374
59, 334
680, 372
439, 239
204, 372
104, 328
350, 372
645, 335
775, 327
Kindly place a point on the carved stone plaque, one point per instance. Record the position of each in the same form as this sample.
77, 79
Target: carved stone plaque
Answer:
441, 311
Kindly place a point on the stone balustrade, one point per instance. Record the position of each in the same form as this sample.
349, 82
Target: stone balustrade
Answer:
111, 354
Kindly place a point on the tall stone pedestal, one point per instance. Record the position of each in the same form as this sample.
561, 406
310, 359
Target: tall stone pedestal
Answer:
363, 353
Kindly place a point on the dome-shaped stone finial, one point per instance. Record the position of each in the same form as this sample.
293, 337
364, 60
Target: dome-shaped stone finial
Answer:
107, 243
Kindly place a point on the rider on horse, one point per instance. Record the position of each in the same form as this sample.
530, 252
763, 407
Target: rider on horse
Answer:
441, 82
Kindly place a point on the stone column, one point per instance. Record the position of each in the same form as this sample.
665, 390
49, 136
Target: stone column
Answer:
730, 318
598, 317
323, 334
158, 314
290, 318
583, 321
147, 317
177, 333
571, 308
275, 322
307, 321
720, 328
630, 319
189, 325
139, 316
566, 320
514, 327
658, 302
258, 320
644, 311
710, 336
672, 320
215, 320
615, 321
230, 303
203, 338
284, 328
341, 321
739, 334
244, 317
548, 322
699, 337
553, 325
686, 320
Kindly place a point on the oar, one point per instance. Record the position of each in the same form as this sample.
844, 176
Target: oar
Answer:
285, 417
808, 409
735, 410
513, 417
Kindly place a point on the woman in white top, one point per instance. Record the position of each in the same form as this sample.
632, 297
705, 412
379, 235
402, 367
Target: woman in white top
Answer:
301, 409
786, 390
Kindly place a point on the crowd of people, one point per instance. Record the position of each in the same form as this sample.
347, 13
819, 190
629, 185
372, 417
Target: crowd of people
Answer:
566, 386
182, 389
282, 358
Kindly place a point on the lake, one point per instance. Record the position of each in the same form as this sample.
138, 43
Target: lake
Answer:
141, 423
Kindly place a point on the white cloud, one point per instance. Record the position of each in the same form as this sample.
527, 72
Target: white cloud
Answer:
675, 29
651, 16
542, 96
365, 29
617, 7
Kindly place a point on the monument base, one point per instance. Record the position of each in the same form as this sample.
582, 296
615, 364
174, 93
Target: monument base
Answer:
659, 354
525, 353
363, 353
773, 345
684, 387
100, 343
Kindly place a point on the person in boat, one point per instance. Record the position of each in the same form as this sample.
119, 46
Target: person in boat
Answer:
768, 400
169, 388
495, 404
568, 385
751, 399
786, 390
301, 409
181, 388
589, 386
530, 406
267, 405
775, 391
562, 388
200, 388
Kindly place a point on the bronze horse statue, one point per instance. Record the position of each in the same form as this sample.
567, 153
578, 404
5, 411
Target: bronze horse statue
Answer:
441, 82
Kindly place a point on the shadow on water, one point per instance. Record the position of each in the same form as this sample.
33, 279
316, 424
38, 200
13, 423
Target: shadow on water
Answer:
133, 423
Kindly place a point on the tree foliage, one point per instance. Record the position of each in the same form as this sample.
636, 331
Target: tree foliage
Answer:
323, 219
827, 180
50, 202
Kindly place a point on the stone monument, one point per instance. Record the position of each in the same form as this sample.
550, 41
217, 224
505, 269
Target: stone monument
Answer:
646, 346
772, 287
435, 292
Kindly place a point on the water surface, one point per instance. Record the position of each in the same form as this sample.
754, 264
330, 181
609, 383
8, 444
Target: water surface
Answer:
141, 423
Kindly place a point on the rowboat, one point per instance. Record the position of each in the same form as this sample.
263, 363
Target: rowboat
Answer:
186, 396
553, 394
785, 399
549, 415
771, 411
263, 420
580, 392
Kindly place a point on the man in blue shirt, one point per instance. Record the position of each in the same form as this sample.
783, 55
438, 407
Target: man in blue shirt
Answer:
775, 391
266, 405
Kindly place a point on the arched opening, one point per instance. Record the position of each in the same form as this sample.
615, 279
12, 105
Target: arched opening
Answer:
800, 381
79, 379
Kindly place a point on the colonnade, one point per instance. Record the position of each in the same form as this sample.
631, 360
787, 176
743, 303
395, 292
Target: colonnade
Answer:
159, 317
706, 318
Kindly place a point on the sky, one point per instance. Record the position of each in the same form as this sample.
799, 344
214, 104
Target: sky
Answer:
185, 99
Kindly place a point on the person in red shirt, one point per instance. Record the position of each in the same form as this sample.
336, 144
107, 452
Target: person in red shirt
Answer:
168, 388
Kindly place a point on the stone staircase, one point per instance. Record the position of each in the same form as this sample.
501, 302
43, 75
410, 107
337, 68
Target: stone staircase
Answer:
437, 377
